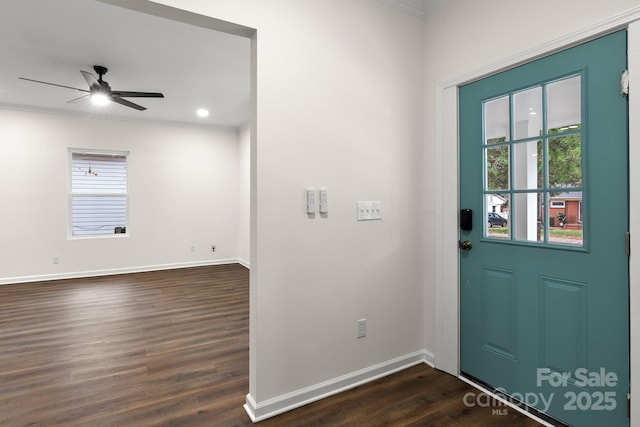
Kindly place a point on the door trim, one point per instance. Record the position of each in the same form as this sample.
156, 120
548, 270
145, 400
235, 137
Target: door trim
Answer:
447, 333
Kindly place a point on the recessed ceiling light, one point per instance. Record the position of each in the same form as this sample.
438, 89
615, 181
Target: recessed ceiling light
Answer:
202, 112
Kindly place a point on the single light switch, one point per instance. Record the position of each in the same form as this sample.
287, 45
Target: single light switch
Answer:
324, 202
311, 200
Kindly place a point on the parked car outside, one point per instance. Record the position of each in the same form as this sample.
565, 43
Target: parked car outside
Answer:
496, 220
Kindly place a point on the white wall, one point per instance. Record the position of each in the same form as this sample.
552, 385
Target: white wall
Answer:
183, 191
340, 105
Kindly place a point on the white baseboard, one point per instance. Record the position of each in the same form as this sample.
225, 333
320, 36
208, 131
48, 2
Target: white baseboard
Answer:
244, 263
429, 358
272, 407
111, 272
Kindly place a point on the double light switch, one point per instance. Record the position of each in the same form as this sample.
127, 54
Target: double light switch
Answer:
317, 200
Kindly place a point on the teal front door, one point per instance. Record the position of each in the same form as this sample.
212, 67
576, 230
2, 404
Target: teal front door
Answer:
544, 279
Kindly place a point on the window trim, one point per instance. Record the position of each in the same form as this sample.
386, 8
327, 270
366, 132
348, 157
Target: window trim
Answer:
101, 152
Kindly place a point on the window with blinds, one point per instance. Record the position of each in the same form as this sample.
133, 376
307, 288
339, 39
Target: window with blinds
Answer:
98, 193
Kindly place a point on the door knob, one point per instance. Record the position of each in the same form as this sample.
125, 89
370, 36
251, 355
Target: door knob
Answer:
465, 246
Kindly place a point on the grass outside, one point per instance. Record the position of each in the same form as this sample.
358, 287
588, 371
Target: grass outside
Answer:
553, 232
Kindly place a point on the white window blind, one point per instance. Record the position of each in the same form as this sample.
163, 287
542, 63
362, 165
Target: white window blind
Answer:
98, 193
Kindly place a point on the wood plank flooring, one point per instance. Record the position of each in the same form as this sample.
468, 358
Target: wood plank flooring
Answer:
170, 348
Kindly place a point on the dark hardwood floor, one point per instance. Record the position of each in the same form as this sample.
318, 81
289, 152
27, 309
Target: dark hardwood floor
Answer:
170, 348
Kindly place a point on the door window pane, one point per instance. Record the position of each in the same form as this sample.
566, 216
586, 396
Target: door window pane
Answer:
527, 165
496, 120
527, 213
527, 112
497, 167
564, 110
565, 218
497, 224
565, 161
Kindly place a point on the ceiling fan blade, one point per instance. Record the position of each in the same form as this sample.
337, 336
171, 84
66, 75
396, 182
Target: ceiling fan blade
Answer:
91, 79
127, 94
80, 98
118, 100
52, 84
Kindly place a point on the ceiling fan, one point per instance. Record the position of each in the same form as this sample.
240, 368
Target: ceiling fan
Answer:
100, 92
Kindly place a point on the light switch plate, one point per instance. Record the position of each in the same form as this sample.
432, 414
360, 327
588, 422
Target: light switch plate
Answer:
368, 211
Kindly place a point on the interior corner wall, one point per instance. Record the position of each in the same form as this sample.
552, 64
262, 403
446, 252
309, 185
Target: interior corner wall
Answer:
183, 193
339, 105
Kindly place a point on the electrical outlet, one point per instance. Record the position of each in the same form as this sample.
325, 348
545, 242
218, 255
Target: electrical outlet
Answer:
193, 248
362, 328
213, 248
56, 259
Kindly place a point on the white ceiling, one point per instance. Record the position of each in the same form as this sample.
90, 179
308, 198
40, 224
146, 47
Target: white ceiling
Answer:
52, 40
194, 67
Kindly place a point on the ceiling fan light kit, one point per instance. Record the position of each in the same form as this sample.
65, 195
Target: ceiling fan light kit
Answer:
100, 92
99, 99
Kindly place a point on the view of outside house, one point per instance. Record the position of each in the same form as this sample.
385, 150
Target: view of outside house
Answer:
533, 164
564, 216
